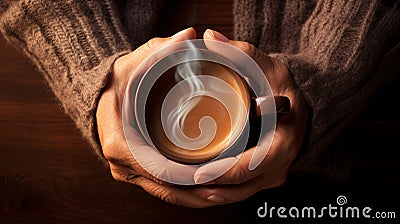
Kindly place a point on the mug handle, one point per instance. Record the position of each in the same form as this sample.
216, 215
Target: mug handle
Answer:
261, 106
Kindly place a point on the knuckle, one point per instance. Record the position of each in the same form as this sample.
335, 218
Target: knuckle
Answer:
116, 176
158, 181
116, 153
249, 48
239, 175
279, 66
152, 43
130, 178
125, 176
172, 199
120, 62
167, 196
108, 145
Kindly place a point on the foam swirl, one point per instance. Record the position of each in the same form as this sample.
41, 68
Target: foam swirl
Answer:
185, 96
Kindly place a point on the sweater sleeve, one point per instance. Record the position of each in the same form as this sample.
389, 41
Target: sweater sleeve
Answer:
339, 53
73, 44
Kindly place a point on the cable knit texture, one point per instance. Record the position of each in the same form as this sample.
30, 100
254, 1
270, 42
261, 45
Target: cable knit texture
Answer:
73, 43
339, 52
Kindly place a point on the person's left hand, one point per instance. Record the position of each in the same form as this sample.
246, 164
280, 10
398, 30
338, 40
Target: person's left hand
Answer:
123, 166
242, 180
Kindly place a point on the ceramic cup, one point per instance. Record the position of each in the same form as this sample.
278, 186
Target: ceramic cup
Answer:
196, 102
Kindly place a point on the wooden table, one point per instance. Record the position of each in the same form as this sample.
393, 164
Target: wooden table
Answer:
49, 175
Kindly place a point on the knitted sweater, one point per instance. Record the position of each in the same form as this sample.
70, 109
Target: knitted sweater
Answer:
339, 52
74, 43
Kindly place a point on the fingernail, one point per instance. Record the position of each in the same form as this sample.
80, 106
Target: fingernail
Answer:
180, 33
218, 35
201, 179
216, 198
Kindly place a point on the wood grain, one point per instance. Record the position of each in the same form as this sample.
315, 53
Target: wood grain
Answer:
49, 175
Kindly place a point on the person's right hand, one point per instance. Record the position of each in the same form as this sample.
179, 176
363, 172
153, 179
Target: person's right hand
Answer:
267, 165
123, 165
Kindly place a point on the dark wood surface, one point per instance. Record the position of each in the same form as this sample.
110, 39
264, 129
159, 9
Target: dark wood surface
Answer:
49, 175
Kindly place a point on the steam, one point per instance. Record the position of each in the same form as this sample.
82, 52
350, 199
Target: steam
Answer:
186, 95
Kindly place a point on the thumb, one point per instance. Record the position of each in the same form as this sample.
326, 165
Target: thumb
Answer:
134, 63
157, 43
137, 57
263, 60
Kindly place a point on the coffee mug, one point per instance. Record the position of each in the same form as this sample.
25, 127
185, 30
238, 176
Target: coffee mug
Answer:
196, 102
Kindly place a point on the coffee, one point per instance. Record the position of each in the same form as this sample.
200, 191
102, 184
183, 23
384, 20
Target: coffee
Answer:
206, 105
196, 102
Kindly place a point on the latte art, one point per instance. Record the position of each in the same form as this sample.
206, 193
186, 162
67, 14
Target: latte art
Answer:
198, 110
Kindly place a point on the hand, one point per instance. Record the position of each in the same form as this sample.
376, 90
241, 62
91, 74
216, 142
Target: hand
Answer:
123, 166
242, 180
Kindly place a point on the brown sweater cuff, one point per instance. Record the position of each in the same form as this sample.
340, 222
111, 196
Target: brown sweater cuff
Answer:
73, 44
93, 83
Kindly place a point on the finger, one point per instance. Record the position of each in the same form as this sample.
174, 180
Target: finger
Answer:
247, 60
246, 47
157, 43
173, 194
138, 158
142, 160
251, 163
154, 163
235, 168
139, 55
213, 170
123, 166
209, 172
225, 194
272, 68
